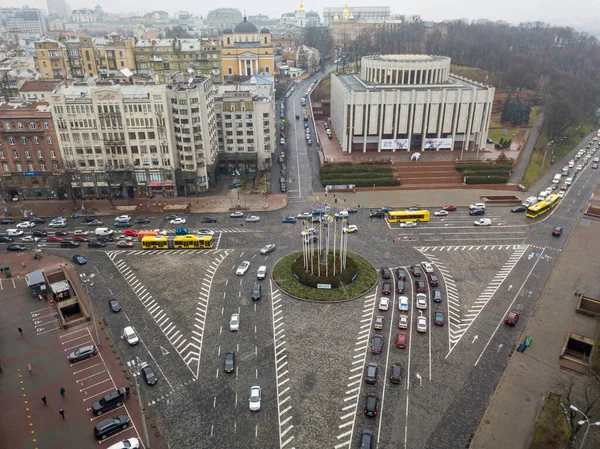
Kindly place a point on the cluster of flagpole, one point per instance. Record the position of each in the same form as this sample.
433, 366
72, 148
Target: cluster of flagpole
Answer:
313, 252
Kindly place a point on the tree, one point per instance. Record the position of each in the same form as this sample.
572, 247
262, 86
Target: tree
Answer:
319, 38
177, 32
302, 58
584, 394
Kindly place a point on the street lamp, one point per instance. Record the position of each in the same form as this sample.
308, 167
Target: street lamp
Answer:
135, 375
582, 422
88, 281
544, 159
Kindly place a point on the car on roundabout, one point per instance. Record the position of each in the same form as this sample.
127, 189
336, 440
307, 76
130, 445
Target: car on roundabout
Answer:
311, 231
409, 224
289, 220
267, 249
440, 213
252, 219
124, 244
237, 214
304, 215
350, 229
242, 268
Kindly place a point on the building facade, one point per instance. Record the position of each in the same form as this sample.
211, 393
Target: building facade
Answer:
246, 51
343, 32
25, 23
116, 140
411, 103
35, 91
195, 132
165, 57
29, 152
376, 13
221, 19
84, 16
58, 8
246, 127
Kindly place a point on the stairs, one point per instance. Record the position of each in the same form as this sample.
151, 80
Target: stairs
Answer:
428, 174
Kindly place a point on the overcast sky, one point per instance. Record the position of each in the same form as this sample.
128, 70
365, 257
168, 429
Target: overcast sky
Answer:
577, 13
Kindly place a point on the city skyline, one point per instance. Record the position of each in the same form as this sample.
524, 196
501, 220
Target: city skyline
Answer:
578, 14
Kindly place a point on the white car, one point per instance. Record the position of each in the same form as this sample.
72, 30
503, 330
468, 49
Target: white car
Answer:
561, 194
57, 224
403, 322
304, 215
255, 397
130, 336
252, 219
477, 206
262, 272
571, 163
384, 303
123, 218
483, 222
178, 221
25, 224
130, 443
311, 231
421, 301
596, 160
579, 168
350, 229
238, 214
234, 322
427, 267
569, 181
30, 239
206, 232
440, 213
80, 232
421, 324
243, 267
160, 231
403, 304
409, 224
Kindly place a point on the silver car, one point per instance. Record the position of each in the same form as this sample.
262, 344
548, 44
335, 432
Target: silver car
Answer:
267, 249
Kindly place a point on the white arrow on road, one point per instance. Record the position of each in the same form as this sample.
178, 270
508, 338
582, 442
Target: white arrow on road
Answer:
529, 294
475, 339
164, 351
500, 347
510, 287
420, 379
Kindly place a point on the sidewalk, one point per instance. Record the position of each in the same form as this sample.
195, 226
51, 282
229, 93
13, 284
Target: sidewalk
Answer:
519, 169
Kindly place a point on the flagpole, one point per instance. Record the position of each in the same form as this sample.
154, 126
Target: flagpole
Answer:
334, 241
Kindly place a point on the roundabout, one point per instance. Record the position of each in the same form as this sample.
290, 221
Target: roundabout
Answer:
318, 282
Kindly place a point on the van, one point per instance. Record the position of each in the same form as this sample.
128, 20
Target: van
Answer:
557, 177
530, 201
342, 214
565, 170
103, 231
14, 232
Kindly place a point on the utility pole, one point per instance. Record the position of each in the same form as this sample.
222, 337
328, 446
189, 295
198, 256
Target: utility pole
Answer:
88, 280
139, 395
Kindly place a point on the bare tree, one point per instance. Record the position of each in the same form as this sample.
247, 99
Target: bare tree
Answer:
584, 394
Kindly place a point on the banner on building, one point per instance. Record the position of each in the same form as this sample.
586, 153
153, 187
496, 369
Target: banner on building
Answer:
438, 144
394, 144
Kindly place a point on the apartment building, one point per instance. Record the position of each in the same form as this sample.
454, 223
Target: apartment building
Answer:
165, 57
22, 23
116, 140
30, 159
37, 90
195, 132
246, 127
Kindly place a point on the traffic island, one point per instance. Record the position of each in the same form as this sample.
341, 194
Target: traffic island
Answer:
322, 282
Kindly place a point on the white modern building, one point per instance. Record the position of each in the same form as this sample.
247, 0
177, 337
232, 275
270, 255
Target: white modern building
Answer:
22, 23
410, 103
378, 13
116, 138
246, 127
84, 15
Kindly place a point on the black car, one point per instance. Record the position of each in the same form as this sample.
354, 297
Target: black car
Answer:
400, 274
371, 404
110, 426
109, 401
6, 221
385, 273
420, 287
171, 217
371, 375
94, 223
385, 209
520, 208
87, 220
230, 362
283, 187
5, 239
477, 212
415, 271
377, 214
366, 439
105, 238
122, 224
69, 244
142, 220
396, 373
97, 244
38, 233
377, 344
556, 232
413, 208
433, 280
256, 292
85, 352
148, 374
15, 247
114, 305
352, 210
37, 220
400, 287
209, 220
235, 185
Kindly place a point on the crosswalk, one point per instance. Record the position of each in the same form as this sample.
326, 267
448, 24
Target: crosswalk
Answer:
155, 252
216, 230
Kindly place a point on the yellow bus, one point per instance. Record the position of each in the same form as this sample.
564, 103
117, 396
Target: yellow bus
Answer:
541, 207
178, 242
396, 216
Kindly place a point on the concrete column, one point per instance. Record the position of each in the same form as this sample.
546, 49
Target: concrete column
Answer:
351, 126
240, 67
382, 112
411, 114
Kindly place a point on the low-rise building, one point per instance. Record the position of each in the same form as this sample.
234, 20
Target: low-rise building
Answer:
34, 91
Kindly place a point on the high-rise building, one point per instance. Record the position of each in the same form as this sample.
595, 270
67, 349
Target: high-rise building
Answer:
165, 57
23, 24
221, 19
29, 152
58, 8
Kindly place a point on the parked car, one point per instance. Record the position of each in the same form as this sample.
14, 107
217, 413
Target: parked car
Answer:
415, 271
420, 287
512, 318
385, 273
371, 374
109, 401
386, 289
109, 426
377, 344
366, 439
85, 352
255, 398
371, 404
400, 287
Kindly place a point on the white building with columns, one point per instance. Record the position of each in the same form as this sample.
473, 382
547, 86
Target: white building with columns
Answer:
410, 103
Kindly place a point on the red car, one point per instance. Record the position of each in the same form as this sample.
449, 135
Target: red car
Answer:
557, 231
53, 238
131, 232
387, 288
80, 238
401, 340
449, 207
512, 318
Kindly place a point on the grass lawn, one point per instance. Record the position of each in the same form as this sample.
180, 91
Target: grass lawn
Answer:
285, 280
552, 429
323, 90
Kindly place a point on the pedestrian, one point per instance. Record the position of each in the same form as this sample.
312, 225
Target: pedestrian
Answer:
21, 331
23, 264
62, 413
44, 400
29, 367
62, 391
127, 392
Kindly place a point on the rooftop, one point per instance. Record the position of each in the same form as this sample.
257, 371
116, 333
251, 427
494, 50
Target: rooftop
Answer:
406, 58
355, 84
80, 91
36, 86
20, 106
261, 91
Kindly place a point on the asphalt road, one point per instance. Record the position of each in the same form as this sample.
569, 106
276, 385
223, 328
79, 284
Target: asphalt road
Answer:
309, 359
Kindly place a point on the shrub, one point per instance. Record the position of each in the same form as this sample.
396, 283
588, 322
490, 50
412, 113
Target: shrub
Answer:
486, 173
329, 169
482, 166
311, 280
364, 182
486, 179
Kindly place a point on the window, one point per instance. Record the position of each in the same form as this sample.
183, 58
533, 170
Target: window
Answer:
54, 165
42, 166
5, 167
49, 139
36, 140
6, 125
18, 166
2, 155
32, 125
15, 154
39, 154
46, 125
27, 154
53, 154
19, 125
11, 140
30, 166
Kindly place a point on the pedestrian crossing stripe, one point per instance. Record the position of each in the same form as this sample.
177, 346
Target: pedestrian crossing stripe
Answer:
215, 230
471, 248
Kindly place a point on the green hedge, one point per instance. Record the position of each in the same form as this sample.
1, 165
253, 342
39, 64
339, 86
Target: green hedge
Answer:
486, 179
327, 169
310, 280
486, 173
363, 182
482, 166
357, 176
